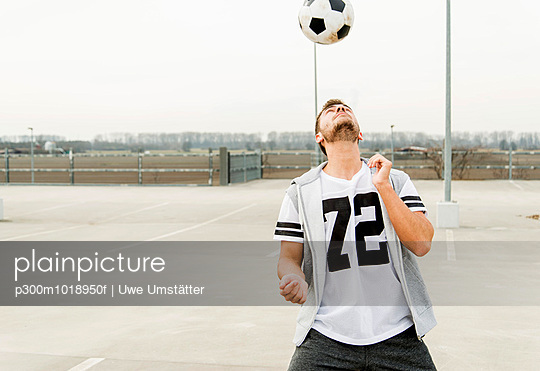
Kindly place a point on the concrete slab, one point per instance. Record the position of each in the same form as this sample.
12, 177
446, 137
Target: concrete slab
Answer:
33, 361
207, 338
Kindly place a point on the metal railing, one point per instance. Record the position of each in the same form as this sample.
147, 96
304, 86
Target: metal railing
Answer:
71, 169
200, 169
502, 161
312, 162
244, 167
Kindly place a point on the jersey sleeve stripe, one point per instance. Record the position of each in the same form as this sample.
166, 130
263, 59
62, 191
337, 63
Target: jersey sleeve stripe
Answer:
411, 198
415, 204
289, 233
288, 225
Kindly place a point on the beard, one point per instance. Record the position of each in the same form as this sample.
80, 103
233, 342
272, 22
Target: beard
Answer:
343, 131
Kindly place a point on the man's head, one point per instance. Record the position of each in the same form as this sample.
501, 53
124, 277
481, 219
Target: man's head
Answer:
336, 122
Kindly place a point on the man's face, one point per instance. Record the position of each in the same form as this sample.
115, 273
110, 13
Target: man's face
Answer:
338, 123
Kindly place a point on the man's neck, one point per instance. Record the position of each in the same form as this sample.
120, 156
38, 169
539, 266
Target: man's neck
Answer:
343, 160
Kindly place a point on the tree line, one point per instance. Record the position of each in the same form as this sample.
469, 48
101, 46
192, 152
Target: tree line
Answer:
187, 141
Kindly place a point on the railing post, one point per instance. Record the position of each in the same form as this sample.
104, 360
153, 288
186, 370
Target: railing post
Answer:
260, 163
223, 166
32, 155
210, 167
510, 162
71, 167
139, 167
6, 163
245, 167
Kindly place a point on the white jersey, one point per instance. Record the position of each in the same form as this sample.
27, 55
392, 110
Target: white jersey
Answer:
363, 302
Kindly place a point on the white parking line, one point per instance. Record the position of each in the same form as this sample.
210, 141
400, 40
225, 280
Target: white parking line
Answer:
84, 225
133, 212
517, 185
90, 362
201, 224
450, 246
40, 233
50, 208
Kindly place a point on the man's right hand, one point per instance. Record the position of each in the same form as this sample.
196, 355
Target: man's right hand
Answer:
293, 288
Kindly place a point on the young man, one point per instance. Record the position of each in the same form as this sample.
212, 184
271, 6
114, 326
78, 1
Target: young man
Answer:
350, 230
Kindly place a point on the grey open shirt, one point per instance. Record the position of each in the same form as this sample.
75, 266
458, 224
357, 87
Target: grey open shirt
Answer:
305, 192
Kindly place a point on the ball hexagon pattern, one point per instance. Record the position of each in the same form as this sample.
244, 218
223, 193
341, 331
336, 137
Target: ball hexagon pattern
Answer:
326, 21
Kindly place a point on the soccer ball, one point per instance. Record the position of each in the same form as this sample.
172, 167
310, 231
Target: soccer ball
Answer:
326, 21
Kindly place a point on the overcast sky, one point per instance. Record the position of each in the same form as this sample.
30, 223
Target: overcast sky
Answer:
81, 68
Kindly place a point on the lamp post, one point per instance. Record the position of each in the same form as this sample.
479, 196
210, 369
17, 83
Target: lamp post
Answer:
448, 211
315, 74
32, 152
318, 152
448, 134
392, 141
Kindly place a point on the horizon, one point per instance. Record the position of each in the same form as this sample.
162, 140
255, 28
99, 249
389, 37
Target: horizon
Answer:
55, 137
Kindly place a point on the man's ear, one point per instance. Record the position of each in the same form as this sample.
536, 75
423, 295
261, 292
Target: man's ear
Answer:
360, 136
319, 137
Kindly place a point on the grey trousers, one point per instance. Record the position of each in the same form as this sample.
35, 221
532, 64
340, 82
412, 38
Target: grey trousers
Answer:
401, 352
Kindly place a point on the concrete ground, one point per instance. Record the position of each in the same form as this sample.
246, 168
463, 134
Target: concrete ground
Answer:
240, 338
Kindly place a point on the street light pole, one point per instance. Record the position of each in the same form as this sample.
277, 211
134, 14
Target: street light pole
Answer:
32, 152
317, 149
315, 76
392, 142
448, 134
447, 210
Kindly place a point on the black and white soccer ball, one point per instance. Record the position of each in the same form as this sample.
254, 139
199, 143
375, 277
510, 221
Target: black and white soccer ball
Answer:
326, 21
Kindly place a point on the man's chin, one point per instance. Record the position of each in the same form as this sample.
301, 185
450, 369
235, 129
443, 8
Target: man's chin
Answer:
343, 137
344, 131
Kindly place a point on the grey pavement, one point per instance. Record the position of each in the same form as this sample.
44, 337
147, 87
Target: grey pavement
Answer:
240, 338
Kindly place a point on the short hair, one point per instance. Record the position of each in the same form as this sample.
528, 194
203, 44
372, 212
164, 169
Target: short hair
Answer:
329, 103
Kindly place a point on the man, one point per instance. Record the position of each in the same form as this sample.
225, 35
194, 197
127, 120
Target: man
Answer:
355, 226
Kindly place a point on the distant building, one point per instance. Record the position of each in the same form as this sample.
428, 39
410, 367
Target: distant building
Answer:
52, 148
414, 149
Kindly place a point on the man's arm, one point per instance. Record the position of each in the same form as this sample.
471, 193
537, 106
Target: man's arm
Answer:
413, 228
292, 284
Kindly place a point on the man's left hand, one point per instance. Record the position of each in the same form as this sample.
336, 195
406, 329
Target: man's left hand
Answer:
383, 166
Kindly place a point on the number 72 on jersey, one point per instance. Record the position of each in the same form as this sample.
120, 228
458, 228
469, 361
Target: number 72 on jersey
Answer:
336, 259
